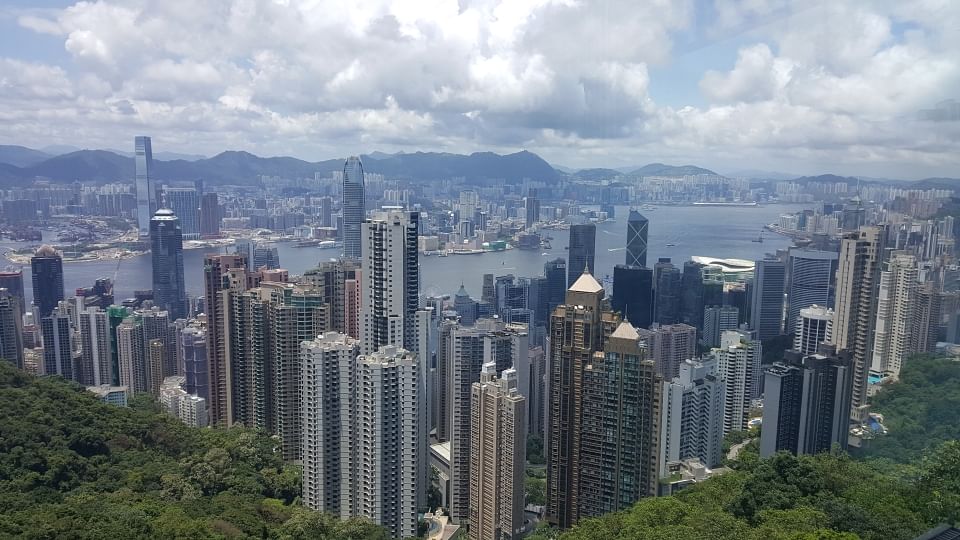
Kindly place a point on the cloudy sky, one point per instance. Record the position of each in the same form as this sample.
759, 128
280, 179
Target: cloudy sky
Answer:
847, 86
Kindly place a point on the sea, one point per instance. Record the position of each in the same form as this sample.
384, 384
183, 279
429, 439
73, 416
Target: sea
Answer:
677, 232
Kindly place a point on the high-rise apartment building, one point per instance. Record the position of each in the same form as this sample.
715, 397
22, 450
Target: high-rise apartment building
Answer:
637, 227
536, 405
190, 409
209, 215
192, 343
57, 349
133, 355
668, 346
582, 251
806, 405
716, 321
858, 281
895, 310
354, 208
620, 426
498, 438
810, 280
813, 329
666, 283
769, 285
332, 277
691, 424
738, 364
12, 281
578, 329
166, 240
217, 272
11, 329
633, 294
185, 204
95, 347
46, 267
391, 280
927, 312
146, 196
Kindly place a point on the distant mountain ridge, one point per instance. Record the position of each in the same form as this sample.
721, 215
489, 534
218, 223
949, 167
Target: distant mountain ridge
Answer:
660, 169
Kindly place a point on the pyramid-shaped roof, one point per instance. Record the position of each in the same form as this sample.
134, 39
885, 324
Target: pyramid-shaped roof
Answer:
586, 283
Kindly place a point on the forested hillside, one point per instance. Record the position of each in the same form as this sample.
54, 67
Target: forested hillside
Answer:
72, 467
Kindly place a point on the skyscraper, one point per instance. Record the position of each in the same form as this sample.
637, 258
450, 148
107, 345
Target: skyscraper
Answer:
209, 215
12, 281
633, 294
620, 426
577, 330
769, 284
95, 347
637, 226
216, 269
57, 352
354, 208
806, 405
498, 435
691, 423
555, 272
810, 280
895, 309
11, 329
858, 278
927, 312
666, 283
192, 343
716, 321
391, 280
692, 295
146, 203
185, 204
46, 267
166, 239
531, 206
582, 251
668, 346
813, 329
738, 363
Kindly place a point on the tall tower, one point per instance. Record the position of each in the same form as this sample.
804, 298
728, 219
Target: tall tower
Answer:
577, 330
146, 197
132, 351
738, 363
582, 251
11, 329
813, 329
619, 445
57, 352
95, 362
209, 215
858, 279
497, 456
637, 226
12, 281
47, 269
555, 272
691, 423
185, 203
766, 312
216, 269
391, 280
668, 346
633, 294
895, 310
354, 208
811, 279
167, 252
666, 284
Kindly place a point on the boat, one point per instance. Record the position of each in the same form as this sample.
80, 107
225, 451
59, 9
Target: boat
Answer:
671, 245
759, 238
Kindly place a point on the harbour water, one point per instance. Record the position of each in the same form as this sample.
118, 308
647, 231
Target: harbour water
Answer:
678, 232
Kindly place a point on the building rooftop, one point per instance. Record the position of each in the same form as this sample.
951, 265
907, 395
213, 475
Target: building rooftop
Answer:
586, 283
625, 331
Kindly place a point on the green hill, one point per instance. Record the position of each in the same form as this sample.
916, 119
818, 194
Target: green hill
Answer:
73, 467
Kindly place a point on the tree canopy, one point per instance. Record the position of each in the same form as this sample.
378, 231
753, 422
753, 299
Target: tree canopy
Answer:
74, 467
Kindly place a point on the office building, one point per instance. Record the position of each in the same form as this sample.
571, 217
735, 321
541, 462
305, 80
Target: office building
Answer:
582, 251
806, 405
46, 268
169, 292
354, 207
96, 367
498, 438
488, 294
12, 281
766, 311
667, 282
813, 329
555, 272
143, 182
668, 346
857, 289
691, 422
57, 349
531, 207
620, 426
895, 310
391, 280
185, 204
633, 294
692, 295
11, 329
578, 329
209, 215
738, 364
810, 280
716, 321
637, 226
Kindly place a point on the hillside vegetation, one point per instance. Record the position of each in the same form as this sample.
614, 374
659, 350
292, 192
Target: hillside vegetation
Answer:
73, 467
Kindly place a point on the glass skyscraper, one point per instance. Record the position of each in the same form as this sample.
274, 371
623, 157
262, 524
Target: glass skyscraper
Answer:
185, 203
637, 226
354, 209
46, 268
143, 162
167, 252
583, 249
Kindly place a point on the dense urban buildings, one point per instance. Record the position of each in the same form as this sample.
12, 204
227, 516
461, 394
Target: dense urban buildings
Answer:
669, 346
166, 241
